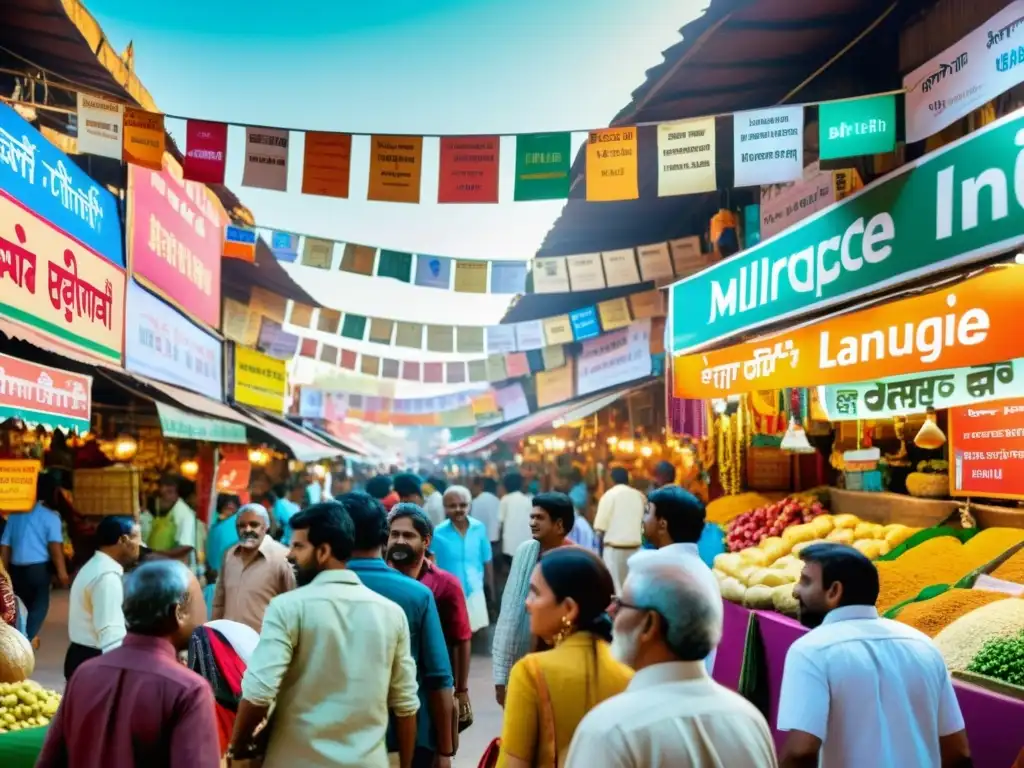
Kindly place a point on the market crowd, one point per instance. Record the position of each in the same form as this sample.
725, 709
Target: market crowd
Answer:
346, 641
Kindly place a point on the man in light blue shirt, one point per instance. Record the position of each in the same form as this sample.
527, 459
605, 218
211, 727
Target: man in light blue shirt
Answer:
31, 542
284, 509
462, 547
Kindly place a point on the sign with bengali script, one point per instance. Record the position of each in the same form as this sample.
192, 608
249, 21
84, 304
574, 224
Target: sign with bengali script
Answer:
260, 380
904, 395
970, 323
986, 449
175, 236
18, 484
39, 394
614, 358
952, 207
983, 64
163, 344
182, 425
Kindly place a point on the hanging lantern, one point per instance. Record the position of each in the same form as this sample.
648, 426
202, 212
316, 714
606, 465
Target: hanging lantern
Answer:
930, 437
125, 447
189, 469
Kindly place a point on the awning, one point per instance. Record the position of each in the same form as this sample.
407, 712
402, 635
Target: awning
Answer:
183, 425
347, 451
303, 446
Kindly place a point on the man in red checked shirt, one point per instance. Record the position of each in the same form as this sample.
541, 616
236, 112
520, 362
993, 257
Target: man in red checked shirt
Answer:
409, 538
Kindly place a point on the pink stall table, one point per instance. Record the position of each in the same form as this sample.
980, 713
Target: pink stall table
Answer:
732, 649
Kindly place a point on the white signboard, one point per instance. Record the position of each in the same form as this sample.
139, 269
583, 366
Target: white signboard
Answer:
686, 157
614, 358
782, 207
100, 127
768, 146
550, 275
266, 159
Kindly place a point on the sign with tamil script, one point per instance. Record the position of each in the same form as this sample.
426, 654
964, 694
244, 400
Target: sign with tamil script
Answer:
904, 395
175, 236
39, 394
952, 207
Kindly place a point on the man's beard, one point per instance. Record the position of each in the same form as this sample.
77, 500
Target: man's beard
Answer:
249, 540
809, 617
403, 555
304, 575
624, 646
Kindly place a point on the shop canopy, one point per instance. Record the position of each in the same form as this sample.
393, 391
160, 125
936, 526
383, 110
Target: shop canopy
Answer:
303, 445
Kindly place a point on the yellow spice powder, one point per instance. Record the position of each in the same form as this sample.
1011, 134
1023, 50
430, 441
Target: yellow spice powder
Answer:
1012, 569
933, 616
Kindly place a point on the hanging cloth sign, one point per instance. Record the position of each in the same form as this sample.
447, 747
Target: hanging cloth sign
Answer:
100, 127
206, 151
266, 159
144, 139
326, 164
396, 163
686, 157
768, 146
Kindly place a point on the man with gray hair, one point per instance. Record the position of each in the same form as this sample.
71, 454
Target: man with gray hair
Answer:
462, 547
254, 571
137, 705
667, 620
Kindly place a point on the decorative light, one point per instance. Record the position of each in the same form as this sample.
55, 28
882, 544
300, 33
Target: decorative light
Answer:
318, 470
558, 423
189, 469
930, 436
627, 446
259, 457
613, 441
125, 447
646, 451
795, 439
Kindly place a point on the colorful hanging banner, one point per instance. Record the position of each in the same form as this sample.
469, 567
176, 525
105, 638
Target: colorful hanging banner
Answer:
501, 339
529, 335
614, 314
470, 340
471, 276
857, 127
266, 159
100, 127
550, 275
302, 315
558, 330
556, 386
409, 335
144, 138
285, 246
542, 166
317, 253
468, 169
508, 277
553, 356
206, 151
655, 262
329, 321
358, 259
381, 330
768, 146
620, 267
395, 264
614, 358
433, 271
585, 272
326, 164
396, 163
239, 243
612, 165
38, 394
274, 341
584, 323
686, 157
353, 327
440, 338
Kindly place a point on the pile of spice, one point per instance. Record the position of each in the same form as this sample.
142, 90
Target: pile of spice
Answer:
933, 616
962, 641
1012, 569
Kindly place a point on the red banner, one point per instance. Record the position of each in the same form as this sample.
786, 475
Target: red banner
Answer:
206, 151
468, 170
986, 449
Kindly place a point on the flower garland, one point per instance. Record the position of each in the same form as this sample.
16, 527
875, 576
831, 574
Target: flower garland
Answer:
731, 435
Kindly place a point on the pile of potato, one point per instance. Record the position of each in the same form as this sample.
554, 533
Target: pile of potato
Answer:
763, 577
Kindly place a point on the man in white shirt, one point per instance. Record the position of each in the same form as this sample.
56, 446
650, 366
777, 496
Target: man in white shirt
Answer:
514, 514
672, 713
95, 619
673, 523
618, 525
859, 689
487, 509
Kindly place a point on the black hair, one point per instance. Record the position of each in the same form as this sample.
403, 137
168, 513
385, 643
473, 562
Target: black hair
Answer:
223, 499
850, 567
664, 469
490, 485
620, 476
378, 486
369, 520
579, 573
513, 482
406, 485
559, 507
281, 490
420, 521
169, 478
46, 489
327, 523
112, 528
439, 482
682, 512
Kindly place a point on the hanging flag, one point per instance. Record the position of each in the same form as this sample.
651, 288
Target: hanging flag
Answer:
535, 357
395, 264
554, 356
471, 276
857, 127
501, 339
440, 338
529, 335
144, 139
370, 365
206, 151
456, 373
470, 339
328, 321
348, 359
477, 371
317, 253
353, 326
496, 368
620, 267
614, 314
358, 259
558, 330
508, 277
516, 365
433, 373
329, 354
686, 157
468, 169
433, 271
655, 262
381, 330
302, 315
389, 368
266, 159
584, 323
409, 335
611, 165
687, 256
555, 386
100, 127
550, 275
542, 166
647, 304
239, 243
768, 146
284, 246
326, 164
308, 348
585, 272
395, 167
410, 370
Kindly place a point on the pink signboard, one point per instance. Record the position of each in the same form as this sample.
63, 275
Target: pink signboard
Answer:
175, 234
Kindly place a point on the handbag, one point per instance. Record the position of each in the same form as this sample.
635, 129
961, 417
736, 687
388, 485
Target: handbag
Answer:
489, 759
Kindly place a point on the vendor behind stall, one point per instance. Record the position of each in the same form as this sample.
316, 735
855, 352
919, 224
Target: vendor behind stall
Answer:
171, 528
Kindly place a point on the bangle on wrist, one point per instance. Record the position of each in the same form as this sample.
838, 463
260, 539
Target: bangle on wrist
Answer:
462, 690
445, 754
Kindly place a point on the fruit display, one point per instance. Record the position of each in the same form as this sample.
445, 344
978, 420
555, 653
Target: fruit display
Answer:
753, 527
26, 705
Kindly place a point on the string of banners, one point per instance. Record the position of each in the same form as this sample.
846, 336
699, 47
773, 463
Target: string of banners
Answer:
767, 149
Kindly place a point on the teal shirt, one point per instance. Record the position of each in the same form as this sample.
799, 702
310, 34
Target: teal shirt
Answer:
222, 536
283, 511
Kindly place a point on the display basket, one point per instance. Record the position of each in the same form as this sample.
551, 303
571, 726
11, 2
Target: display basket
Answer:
107, 491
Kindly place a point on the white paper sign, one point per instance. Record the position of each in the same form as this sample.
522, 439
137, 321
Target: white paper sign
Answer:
266, 159
983, 64
512, 401
687, 257
614, 358
655, 262
529, 335
768, 146
501, 339
100, 127
620, 267
686, 157
585, 272
550, 275
782, 207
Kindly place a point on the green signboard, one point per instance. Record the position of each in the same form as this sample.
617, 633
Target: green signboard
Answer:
857, 127
542, 166
955, 206
189, 426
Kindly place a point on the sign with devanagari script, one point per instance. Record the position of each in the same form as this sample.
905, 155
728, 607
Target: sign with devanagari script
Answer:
904, 395
44, 180
39, 394
175, 236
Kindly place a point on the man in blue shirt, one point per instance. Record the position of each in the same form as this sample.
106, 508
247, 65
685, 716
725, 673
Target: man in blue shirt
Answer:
283, 510
462, 547
435, 730
31, 542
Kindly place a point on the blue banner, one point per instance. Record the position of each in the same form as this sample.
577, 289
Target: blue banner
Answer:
285, 246
584, 323
433, 271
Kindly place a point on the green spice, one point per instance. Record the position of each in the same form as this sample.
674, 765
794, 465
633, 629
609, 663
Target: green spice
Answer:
1002, 658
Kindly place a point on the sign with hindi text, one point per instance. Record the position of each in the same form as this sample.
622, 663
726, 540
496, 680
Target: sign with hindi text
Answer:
612, 165
39, 394
260, 380
986, 449
18, 479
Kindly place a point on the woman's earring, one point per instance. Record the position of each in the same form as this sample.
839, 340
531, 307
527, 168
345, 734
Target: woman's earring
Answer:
564, 632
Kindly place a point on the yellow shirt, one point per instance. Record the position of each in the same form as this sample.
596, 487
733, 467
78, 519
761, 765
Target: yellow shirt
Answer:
574, 687
334, 656
620, 516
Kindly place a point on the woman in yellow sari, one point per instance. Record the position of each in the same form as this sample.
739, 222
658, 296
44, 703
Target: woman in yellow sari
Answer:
550, 692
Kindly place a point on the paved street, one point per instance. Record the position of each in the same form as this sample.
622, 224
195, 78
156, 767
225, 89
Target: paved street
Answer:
50, 665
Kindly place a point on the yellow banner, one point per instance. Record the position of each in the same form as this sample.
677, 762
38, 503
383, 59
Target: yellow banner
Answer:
471, 276
260, 380
611, 165
558, 330
18, 484
396, 163
614, 313
143, 138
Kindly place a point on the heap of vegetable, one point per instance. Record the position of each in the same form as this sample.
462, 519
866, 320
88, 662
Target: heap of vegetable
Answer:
1001, 658
751, 528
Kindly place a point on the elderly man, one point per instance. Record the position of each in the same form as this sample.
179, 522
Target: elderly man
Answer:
462, 547
254, 571
137, 705
667, 621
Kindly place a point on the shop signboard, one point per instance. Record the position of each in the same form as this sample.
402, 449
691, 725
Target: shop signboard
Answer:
260, 380
61, 263
855, 127
986, 449
182, 425
952, 207
916, 393
175, 237
163, 344
983, 64
39, 394
614, 358
18, 484
970, 323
